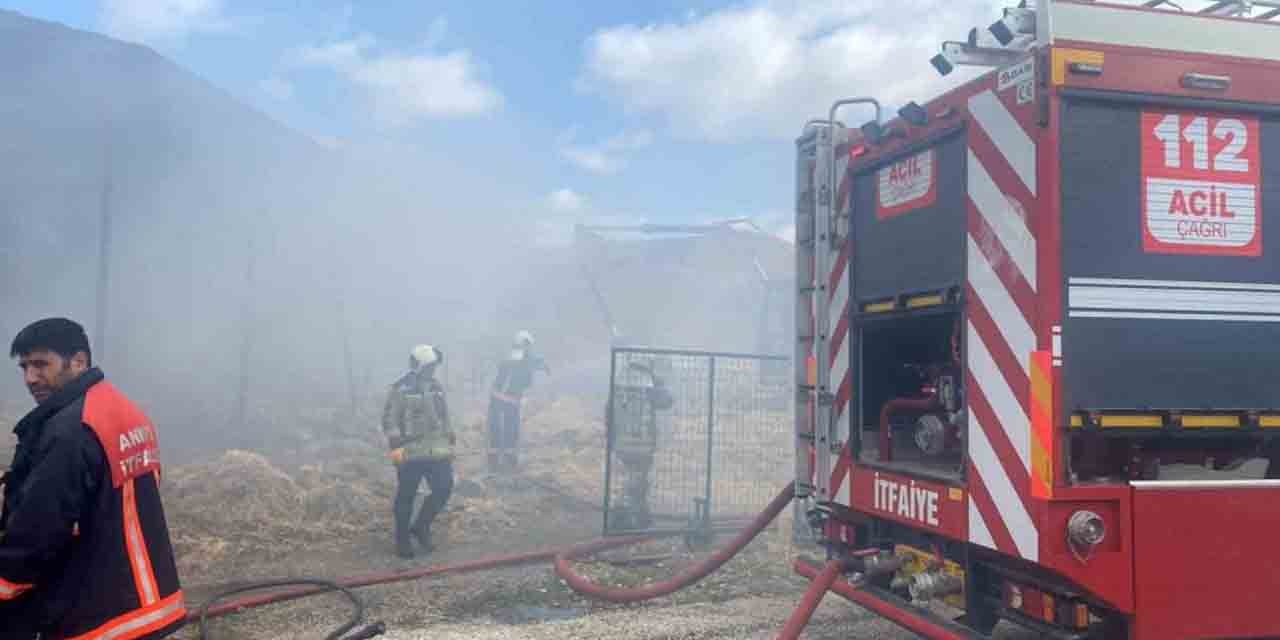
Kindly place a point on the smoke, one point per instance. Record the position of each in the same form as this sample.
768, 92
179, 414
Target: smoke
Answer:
246, 256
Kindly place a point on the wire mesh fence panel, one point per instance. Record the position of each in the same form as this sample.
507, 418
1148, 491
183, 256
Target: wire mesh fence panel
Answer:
694, 438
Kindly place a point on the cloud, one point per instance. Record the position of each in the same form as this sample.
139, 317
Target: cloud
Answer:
162, 20
406, 86
593, 160
341, 55
278, 88
760, 70
566, 200
607, 156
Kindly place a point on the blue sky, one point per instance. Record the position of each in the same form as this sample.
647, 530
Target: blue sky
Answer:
613, 111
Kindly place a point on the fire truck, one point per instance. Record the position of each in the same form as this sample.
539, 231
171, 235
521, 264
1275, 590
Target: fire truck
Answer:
1038, 327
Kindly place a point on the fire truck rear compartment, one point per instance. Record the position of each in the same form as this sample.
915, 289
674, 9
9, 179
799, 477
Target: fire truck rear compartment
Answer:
911, 384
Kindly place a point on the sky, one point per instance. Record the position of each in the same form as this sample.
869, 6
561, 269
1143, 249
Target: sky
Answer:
608, 112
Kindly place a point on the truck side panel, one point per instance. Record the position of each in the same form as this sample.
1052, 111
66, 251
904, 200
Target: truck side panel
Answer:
1153, 324
1214, 578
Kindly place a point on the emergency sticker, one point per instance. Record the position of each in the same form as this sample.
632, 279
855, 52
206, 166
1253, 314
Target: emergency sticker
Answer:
1016, 74
1200, 184
907, 184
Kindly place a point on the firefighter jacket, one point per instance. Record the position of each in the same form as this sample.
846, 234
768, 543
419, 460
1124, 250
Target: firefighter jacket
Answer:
515, 375
635, 419
416, 417
85, 546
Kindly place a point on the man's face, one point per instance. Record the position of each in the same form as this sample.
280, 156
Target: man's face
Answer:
44, 372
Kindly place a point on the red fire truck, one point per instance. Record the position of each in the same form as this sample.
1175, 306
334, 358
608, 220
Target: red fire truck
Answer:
1038, 322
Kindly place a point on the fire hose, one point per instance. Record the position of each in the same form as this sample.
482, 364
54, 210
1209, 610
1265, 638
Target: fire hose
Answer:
561, 557
357, 614
233, 605
689, 576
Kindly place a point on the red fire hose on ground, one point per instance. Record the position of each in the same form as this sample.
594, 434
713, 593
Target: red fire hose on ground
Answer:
685, 578
387, 577
925, 627
562, 558
812, 598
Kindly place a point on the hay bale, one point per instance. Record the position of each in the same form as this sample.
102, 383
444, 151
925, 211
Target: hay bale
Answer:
241, 493
343, 509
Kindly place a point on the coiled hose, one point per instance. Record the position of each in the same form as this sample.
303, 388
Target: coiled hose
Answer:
689, 576
357, 613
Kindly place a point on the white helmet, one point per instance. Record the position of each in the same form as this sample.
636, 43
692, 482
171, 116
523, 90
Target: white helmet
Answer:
523, 338
423, 355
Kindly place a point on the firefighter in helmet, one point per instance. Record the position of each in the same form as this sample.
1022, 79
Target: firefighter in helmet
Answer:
515, 376
415, 421
637, 397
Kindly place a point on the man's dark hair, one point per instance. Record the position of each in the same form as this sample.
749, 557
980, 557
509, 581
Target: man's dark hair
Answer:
59, 335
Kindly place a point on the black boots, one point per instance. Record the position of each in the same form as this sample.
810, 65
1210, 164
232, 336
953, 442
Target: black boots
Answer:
403, 512
405, 534
404, 547
422, 528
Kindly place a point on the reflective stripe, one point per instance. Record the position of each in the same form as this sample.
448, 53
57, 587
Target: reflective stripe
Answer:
497, 395
144, 578
11, 590
140, 622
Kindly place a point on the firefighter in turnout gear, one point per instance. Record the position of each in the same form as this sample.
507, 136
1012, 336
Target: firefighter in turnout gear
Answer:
421, 440
515, 376
84, 548
637, 397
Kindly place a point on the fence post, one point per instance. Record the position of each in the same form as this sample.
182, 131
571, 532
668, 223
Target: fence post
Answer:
608, 439
711, 427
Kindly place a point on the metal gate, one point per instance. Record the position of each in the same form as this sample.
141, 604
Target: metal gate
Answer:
696, 439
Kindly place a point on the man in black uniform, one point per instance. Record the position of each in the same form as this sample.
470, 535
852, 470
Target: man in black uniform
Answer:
515, 376
84, 547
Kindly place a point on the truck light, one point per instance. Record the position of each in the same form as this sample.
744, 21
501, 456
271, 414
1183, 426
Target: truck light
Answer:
914, 114
1085, 68
1086, 529
1208, 82
1082, 616
941, 64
